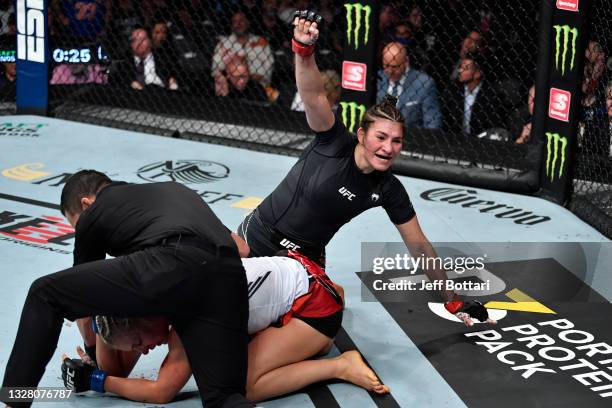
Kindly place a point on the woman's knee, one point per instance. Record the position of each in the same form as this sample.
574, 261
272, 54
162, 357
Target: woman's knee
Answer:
326, 348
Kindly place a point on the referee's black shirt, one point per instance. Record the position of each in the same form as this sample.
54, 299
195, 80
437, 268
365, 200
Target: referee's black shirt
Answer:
129, 217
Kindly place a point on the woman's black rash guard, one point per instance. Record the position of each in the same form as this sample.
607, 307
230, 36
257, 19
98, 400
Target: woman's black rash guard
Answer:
325, 189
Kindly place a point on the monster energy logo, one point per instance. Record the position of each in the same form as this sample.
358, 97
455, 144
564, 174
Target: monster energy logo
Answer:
552, 154
565, 31
349, 115
352, 31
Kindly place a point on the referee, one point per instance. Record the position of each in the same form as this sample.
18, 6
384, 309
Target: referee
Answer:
173, 257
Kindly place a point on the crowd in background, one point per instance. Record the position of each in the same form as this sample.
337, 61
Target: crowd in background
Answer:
466, 67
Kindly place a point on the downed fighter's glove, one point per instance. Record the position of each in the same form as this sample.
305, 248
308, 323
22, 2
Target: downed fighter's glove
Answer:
306, 32
79, 376
467, 310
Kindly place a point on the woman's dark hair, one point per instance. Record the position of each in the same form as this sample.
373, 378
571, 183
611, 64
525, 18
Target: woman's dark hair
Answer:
81, 184
386, 109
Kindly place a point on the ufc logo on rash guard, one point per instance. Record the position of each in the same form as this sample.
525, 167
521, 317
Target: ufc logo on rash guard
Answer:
345, 193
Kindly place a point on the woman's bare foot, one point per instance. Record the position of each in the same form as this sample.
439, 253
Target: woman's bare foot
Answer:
353, 369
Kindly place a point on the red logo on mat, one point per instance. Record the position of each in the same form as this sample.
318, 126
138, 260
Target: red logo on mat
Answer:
569, 5
354, 75
559, 104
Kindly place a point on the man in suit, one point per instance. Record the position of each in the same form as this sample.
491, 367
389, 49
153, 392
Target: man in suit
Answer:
416, 93
145, 67
236, 82
473, 107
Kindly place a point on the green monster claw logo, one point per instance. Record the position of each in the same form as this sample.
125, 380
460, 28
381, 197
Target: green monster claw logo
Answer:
552, 154
564, 30
357, 8
349, 115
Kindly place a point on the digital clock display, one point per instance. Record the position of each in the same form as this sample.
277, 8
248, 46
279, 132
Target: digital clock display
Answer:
79, 55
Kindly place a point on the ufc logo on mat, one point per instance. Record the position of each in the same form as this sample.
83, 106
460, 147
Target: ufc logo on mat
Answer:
354, 75
559, 104
30, 30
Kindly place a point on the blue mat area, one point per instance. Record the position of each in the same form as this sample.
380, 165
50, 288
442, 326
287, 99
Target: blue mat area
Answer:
39, 153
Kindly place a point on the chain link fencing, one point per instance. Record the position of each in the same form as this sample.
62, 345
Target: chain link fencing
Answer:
222, 71
592, 184
214, 71
465, 96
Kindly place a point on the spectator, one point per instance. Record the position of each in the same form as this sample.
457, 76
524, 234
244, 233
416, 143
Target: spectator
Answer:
145, 67
424, 41
160, 44
526, 119
473, 43
286, 8
472, 107
241, 43
403, 34
271, 27
331, 84
236, 83
594, 73
7, 80
126, 16
8, 75
387, 19
416, 93
609, 111
84, 20
72, 74
6, 10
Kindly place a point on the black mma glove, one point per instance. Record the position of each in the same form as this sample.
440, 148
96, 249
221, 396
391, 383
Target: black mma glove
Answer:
472, 308
79, 376
305, 46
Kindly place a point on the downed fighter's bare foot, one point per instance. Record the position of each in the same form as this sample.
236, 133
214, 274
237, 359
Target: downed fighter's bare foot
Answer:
353, 369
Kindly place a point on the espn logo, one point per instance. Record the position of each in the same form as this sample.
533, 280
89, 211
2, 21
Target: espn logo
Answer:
559, 104
31, 30
569, 5
354, 75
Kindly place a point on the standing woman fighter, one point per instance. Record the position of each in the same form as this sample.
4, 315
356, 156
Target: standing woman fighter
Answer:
338, 176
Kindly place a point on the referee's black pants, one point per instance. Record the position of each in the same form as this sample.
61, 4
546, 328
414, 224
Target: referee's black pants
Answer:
204, 295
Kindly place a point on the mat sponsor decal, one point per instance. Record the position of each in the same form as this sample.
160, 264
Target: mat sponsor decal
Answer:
46, 232
467, 198
184, 171
551, 346
37, 174
20, 129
